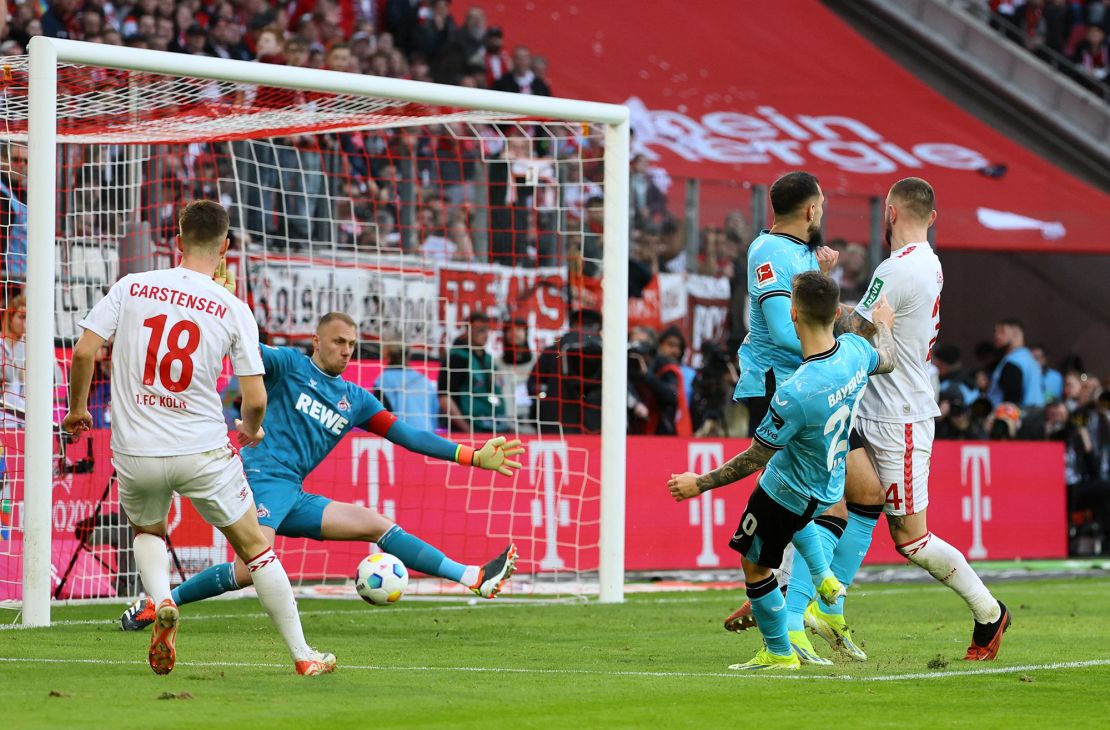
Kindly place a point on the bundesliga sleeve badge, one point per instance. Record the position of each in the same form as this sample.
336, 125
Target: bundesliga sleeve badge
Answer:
764, 274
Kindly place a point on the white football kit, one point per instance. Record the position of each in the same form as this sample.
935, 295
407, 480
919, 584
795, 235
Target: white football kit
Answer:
896, 413
172, 330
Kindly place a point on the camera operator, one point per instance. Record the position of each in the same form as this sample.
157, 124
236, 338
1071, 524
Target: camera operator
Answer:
566, 383
713, 386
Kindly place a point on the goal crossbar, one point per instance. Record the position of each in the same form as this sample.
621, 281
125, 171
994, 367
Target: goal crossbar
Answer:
46, 54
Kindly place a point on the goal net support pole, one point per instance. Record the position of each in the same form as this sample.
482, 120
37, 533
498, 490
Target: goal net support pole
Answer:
46, 54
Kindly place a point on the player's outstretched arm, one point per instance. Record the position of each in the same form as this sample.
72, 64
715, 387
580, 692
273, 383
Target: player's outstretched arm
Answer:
497, 454
80, 379
883, 317
685, 486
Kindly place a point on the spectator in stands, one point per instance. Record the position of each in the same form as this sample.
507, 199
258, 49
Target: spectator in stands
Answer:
647, 201
1030, 23
196, 41
1092, 56
435, 33
851, 273
539, 68
13, 363
471, 37
1098, 13
514, 368
520, 78
226, 40
497, 61
458, 235
1086, 490
13, 211
957, 420
955, 383
672, 247
1060, 19
468, 380
406, 391
1017, 379
1052, 379
60, 19
382, 236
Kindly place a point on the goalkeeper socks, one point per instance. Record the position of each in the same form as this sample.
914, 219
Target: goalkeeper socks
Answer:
948, 565
272, 584
153, 561
767, 604
852, 548
419, 555
212, 581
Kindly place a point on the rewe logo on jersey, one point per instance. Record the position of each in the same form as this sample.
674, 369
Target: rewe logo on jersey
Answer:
317, 411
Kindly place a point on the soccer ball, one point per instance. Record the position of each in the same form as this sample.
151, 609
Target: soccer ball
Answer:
381, 579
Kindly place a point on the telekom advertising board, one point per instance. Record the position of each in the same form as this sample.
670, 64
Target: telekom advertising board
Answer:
992, 500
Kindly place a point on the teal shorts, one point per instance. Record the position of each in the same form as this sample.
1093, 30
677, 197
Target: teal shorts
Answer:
285, 507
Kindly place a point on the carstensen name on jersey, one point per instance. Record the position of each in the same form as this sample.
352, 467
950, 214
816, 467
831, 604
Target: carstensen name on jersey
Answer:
178, 298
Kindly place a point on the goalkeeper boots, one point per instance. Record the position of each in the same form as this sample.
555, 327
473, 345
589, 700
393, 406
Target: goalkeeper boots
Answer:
831, 628
493, 574
163, 653
138, 616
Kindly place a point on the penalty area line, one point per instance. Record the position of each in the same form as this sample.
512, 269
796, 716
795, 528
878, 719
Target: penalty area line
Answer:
1054, 666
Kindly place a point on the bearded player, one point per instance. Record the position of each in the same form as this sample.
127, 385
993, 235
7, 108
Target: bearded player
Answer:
894, 427
311, 408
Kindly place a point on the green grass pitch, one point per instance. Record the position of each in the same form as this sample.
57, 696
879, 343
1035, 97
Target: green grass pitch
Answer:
658, 660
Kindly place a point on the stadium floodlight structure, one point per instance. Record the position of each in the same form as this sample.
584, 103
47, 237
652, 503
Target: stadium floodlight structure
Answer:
80, 94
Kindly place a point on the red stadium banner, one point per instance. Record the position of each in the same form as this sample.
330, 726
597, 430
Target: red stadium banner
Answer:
707, 106
992, 500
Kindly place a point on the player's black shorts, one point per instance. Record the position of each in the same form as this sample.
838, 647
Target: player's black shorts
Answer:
855, 440
766, 529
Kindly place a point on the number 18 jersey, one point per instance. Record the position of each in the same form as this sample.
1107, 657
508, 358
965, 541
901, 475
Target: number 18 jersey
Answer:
808, 422
172, 330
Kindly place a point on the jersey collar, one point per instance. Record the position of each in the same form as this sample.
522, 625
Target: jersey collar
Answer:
823, 355
787, 236
319, 370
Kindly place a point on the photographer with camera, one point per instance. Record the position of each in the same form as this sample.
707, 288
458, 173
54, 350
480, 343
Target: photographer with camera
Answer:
565, 385
712, 394
656, 385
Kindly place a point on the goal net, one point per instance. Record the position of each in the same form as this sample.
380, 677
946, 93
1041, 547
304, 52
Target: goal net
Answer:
465, 232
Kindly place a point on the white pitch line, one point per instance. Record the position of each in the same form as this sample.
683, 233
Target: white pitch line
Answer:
617, 673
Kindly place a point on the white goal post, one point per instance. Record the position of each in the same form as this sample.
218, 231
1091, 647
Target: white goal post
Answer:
46, 54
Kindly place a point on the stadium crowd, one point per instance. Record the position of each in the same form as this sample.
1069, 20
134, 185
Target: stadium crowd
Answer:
1072, 31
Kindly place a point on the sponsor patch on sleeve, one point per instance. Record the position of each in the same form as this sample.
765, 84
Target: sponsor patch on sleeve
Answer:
873, 293
764, 274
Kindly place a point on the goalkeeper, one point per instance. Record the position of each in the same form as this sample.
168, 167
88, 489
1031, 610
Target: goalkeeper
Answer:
311, 407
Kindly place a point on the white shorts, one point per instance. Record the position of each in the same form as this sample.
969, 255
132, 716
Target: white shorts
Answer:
900, 453
212, 480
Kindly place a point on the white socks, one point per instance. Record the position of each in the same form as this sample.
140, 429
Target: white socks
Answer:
272, 584
948, 565
153, 560
470, 575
